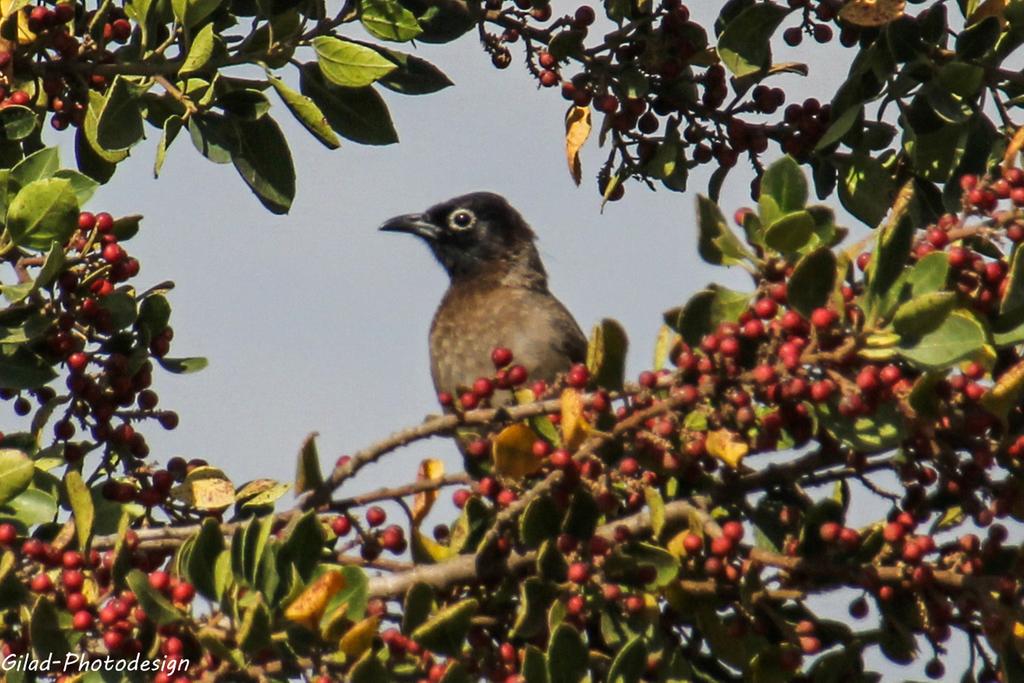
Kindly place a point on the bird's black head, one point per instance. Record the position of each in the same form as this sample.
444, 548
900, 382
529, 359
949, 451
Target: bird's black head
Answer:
473, 234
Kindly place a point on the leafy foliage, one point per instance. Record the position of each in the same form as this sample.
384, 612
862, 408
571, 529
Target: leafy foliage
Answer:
668, 528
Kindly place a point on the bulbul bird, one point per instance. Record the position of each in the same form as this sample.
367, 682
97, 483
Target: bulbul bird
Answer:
497, 297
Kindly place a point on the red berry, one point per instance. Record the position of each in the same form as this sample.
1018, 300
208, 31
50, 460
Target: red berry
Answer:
376, 516
822, 390
693, 544
341, 525
483, 387
733, 530
41, 583
765, 308
823, 318
8, 534
721, 546
938, 238
579, 572
516, 375
183, 593
82, 621
86, 221
104, 222
830, 531
578, 376
501, 357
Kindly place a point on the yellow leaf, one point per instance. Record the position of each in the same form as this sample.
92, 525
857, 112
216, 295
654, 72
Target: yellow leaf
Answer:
574, 426
359, 638
577, 130
308, 607
727, 447
1006, 392
206, 488
872, 12
429, 470
512, 451
990, 8
8, 10
1016, 143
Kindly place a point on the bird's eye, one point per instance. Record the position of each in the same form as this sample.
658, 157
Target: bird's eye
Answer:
463, 219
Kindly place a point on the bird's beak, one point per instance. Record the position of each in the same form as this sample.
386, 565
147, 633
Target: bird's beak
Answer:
412, 223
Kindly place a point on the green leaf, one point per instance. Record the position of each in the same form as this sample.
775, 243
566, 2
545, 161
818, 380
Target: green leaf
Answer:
445, 632
22, 369
418, 604
93, 159
50, 637
244, 104
414, 75
744, 44
865, 189
1013, 297
348, 64
813, 281
535, 597
369, 669
81, 506
567, 655
358, 114
158, 608
17, 122
82, 185
958, 337
304, 109
870, 434
154, 314
929, 274
307, 471
119, 124
254, 635
171, 128
581, 517
388, 20
53, 264
630, 663
705, 310
214, 137
191, 12
39, 165
16, 471
606, 354
534, 666
29, 508
263, 160
656, 505
539, 522
978, 38
207, 545
304, 533
923, 314
717, 244
42, 212
840, 127
892, 247
784, 182
790, 232
200, 51
182, 366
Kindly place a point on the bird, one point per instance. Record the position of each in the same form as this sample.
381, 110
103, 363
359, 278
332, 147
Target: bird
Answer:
497, 295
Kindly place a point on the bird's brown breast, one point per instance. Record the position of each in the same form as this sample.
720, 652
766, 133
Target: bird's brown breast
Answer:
475, 317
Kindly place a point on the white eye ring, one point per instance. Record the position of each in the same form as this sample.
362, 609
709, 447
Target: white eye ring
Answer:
461, 219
